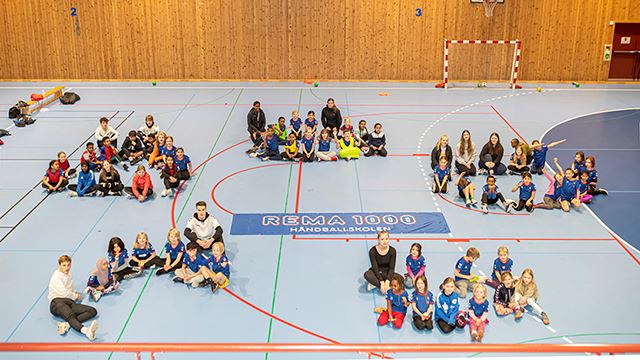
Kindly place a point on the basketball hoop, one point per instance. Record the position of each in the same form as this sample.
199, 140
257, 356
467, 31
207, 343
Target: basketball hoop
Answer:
488, 7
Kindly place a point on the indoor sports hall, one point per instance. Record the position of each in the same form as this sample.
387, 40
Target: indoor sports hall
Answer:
549, 79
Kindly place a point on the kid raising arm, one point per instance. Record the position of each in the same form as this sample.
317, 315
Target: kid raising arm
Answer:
555, 161
555, 143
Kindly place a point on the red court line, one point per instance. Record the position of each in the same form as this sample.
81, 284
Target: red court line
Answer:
298, 190
476, 210
625, 248
457, 239
509, 125
213, 191
175, 198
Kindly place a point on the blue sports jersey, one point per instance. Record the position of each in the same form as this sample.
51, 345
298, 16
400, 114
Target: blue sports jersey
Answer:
490, 195
183, 164
500, 267
468, 179
196, 264
142, 254
526, 191
121, 259
557, 188
579, 167
540, 156
308, 143
447, 307
296, 124
324, 145
593, 176
464, 267
422, 301
397, 305
219, 265
173, 252
272, 144
441, 173
569, 189
583, 187
478, 309
164, 151
415, 264
310, 123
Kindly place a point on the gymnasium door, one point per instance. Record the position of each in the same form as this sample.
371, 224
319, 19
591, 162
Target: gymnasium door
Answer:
625, 60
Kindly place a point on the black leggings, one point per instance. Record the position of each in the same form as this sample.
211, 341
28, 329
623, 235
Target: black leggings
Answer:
169, 185
423, 324
522, 170
158, 262
73, 313
63, 185
90, 190
184, 175
372, 279
129, 190
382, 152
523, 204
487, 201
445, 327
309, 158
442, 189
175, 267
470, 171
119, 275
105, 188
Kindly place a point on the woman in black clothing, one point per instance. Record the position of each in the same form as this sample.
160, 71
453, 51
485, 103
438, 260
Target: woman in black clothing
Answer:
331, 118
491, 156
256, 122
383, 264
442, 149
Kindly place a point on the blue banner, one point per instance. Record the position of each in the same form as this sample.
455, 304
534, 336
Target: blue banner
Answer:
339, 223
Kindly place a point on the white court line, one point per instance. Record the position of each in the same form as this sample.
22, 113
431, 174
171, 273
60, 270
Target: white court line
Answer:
586, 206
567, 339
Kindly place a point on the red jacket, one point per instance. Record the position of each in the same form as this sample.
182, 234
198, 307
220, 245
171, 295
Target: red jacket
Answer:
141, 183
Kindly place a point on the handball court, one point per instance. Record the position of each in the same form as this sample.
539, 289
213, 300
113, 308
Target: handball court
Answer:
309, 288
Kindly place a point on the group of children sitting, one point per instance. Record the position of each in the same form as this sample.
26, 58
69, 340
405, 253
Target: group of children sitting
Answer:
148, 142
511, 295
301, 141
190, 264
569, 187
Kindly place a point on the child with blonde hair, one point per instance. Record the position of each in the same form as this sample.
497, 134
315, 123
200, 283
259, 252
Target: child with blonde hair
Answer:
174, 248
296, 124
143, 254
501, 265
478, 312
217, 273
526, 293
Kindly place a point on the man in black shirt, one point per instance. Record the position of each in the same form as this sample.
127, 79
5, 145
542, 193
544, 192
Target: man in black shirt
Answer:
256, 122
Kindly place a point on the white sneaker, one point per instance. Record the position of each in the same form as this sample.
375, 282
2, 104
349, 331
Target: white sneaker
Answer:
73, 193
484, 209
508, 207
370, 286
91, 331
253, 154
97, 295
163, 193
63, 327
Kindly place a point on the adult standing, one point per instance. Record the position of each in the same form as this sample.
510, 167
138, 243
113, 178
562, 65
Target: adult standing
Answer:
383, 264
64, 302
331, 118
256, 122
442, 149
466, 154
491, 156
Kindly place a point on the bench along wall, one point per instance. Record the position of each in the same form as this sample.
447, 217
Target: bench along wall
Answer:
296, 39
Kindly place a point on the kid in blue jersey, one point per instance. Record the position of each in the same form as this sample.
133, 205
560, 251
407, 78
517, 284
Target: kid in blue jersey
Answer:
478, 312
578, 164
501, 265
491, 194
119, 260
466, 190
311, 122
307, 145
295, 124
462, 272
174, 248
193, 265
441, 174
217, 272
397, 304
422, 304
569, 192
527, 193
590, 165
551, 199
540, 155
271, 146
143, 254
448, 315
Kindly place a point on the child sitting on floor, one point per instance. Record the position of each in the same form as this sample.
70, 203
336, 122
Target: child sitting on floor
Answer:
64, 165
217, 271
110, 154
478, 312
415, 265
422, 304
271, 146
184, 164
174, 248
349, 147
296, 124
143, 254
191, 272
377, 142
119, 261
501, 265
503, 299
526, 293
109, 181
441, 176
91, 157
141, 187
448, 315
311, 122
101, 281
291, 149
465, 279
397, 304
86, 182
104, 131
324, 147
53, 179
466, 190
491, 194
307, 145
527, 193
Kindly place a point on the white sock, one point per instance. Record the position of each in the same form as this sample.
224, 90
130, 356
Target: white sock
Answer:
84, 330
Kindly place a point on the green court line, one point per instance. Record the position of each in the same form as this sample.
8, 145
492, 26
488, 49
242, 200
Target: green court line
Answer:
275, 284
568, 336
135, 305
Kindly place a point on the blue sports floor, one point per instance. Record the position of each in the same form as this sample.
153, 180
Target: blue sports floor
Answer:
310, 289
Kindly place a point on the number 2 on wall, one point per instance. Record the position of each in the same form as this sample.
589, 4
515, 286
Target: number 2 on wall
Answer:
418, 11
74, 11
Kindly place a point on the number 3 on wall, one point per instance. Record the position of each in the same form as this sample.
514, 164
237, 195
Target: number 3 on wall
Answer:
74, 11
418, 12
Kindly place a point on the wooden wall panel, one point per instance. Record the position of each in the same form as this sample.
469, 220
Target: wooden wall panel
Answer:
297, 39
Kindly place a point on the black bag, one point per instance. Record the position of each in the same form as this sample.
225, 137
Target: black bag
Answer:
4, 132
69, 98
14, 112
28, 119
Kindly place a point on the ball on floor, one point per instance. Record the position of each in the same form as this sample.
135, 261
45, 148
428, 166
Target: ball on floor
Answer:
154, 83
538, 89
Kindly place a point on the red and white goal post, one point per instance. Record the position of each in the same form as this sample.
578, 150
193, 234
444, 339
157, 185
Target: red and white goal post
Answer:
514, 65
